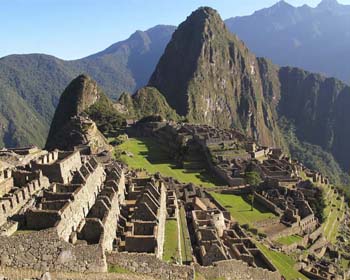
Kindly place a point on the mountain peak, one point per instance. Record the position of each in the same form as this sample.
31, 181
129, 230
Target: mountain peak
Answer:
202, 67
204, 10
204, 13
328, 4
78, 96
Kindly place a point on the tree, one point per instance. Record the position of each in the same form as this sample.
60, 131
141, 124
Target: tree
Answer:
253, 179
251, 198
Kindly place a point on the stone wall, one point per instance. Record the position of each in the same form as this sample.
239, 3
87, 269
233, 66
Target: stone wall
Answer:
10, 204
58, 166
5, 186
109, 221
45, 251
84, 199
150, 265
268, 204
162, 214
67, 214
235, 269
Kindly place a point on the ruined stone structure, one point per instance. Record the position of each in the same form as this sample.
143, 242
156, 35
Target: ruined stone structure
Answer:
58, 166
142, 222
218, 239
71, 205
19, 190
88, 211
294, 210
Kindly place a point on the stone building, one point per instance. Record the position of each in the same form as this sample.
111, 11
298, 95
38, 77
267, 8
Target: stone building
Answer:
218, 238
142, 222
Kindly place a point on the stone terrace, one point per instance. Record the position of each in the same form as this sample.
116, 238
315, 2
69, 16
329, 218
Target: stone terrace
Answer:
141, 227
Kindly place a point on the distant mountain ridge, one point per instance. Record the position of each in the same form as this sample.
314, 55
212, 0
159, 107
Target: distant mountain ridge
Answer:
316, 39
35, 81
30, 85
210, 77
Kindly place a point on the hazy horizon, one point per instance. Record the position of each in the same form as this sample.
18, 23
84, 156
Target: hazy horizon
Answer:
72, 29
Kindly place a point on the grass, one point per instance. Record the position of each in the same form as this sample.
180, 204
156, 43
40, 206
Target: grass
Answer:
117, 269
20, 231
147, 154
171, 250
186, 248
331, 223
240, 209
284, 263
288, 240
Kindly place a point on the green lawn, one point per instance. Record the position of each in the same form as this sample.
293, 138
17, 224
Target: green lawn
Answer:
117, 269
186, 247
282, 262
171, 250
148, 154
331, 224
240, 209
288, 240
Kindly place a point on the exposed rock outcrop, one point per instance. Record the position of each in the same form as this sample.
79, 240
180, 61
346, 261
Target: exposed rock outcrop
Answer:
71, 125
208, 75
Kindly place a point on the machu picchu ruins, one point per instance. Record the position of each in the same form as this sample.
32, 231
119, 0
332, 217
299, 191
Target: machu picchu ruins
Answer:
91, 212
178, 153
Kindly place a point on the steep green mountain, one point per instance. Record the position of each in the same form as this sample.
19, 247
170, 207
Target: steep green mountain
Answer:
20, 124
318, 107
37, 80
145, 102
208, 76
313, 156
316, 39
83, 112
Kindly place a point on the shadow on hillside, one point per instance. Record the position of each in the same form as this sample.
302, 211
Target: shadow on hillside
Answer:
158, 155
257, 205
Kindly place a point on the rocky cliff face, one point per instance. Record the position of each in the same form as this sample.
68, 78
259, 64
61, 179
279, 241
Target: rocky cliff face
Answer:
208, 75
72, 125
319, 109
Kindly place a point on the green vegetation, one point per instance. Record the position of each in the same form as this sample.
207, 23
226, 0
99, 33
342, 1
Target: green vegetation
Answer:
185, 242
20, 231
106, 117
147, 154
288, 240
253, 178
33, 83
117, 269
284, 263
171, 250
313, 156
333, 213
20, 125
145, 102
240, 208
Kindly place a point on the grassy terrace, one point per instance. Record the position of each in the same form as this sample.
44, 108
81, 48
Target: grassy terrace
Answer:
288, 240
284, 263
117, 269
186, 248
148, 154
240, 209
333, 211
171, 250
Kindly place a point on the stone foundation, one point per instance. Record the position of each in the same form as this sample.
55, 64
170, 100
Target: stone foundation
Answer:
150, 265
45, 251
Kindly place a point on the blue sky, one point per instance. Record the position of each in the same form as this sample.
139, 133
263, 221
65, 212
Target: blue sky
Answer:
71, 29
